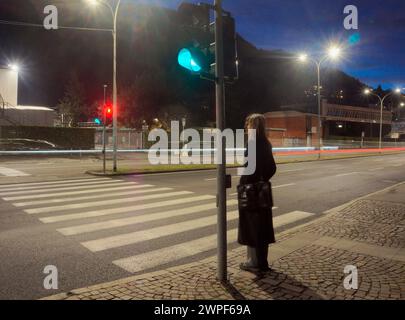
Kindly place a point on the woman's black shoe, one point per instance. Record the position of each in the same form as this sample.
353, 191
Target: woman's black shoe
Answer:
246, 267
265, 269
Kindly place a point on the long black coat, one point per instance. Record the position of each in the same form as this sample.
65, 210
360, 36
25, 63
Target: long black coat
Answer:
256, 228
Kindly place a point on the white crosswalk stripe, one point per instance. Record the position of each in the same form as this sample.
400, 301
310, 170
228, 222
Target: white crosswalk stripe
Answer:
127, 186
92, 185
83, 205
78, 207
132, 209
148, 188
165, 255
6, 186
150, 234
56, 185
109, 224
8, 172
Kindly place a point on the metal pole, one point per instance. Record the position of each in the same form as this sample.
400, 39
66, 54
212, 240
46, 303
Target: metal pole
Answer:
104, 131
319, 109
115, 98
221, 169
381, 123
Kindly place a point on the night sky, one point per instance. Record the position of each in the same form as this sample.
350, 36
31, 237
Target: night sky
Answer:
309, 25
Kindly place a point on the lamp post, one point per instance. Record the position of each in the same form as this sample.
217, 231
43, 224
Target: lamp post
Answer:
370, 92
114, 14
333, 53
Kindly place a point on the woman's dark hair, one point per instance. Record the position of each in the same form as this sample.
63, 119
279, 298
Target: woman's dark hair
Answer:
257, 122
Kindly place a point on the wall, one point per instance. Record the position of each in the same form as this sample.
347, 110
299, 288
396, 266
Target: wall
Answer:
9, 86
31, 116
291, 130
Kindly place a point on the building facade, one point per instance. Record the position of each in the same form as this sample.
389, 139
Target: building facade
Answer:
11, 113
297, 128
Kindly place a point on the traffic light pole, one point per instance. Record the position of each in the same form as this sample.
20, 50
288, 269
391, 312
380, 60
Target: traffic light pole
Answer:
115, 93
104, 141
221, 169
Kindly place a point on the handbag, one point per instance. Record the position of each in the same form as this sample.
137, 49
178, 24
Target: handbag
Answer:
255, 196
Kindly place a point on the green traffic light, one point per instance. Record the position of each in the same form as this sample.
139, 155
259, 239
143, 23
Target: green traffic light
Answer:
186, 60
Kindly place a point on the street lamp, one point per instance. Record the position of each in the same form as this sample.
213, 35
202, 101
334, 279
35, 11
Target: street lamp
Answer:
368, 92
14, 67
333, 53
114, 14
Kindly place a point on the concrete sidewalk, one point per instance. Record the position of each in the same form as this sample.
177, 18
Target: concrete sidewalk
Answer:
307, 262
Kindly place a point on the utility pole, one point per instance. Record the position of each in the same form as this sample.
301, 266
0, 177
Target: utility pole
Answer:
320, 133
104, 130
115, 93
221, 168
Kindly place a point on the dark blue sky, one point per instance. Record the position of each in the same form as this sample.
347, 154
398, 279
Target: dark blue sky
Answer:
309, 25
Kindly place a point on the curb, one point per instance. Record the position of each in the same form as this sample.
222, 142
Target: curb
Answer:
136, 173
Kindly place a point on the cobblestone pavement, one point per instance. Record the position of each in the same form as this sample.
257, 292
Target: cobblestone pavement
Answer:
307, 262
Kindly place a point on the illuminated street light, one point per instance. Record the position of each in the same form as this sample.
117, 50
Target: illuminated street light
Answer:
333, 53
14, 67
303, 57
368, 92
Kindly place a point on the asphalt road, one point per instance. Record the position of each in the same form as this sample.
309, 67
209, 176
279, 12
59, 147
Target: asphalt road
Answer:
101, 229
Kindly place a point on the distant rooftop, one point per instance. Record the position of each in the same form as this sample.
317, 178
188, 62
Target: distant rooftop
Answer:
33, 108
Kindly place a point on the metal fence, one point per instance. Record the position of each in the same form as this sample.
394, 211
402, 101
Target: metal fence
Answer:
128, 139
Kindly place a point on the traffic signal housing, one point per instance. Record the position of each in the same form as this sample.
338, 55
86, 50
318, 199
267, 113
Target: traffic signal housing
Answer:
198, 54
108, 115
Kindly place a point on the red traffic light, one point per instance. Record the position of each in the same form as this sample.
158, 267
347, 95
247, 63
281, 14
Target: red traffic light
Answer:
108, 115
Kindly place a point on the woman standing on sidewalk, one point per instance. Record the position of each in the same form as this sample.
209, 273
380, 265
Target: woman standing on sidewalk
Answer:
255, 201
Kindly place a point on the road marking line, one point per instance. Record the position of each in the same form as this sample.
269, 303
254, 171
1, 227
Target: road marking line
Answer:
165, 255
89, 187
148, 189
132, 209
291, 217
106, 202
346, 174
12, 172
61, 194
292, 170
58, 186
155, 233
5, 186
390, 181
376, 169
110, 224
284, 185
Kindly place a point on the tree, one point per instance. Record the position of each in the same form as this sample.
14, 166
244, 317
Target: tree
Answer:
72, 107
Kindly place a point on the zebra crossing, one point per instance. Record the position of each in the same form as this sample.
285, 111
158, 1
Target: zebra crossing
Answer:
91, 208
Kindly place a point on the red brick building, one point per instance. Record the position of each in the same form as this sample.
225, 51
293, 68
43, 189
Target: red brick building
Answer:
299, 129
292, 128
